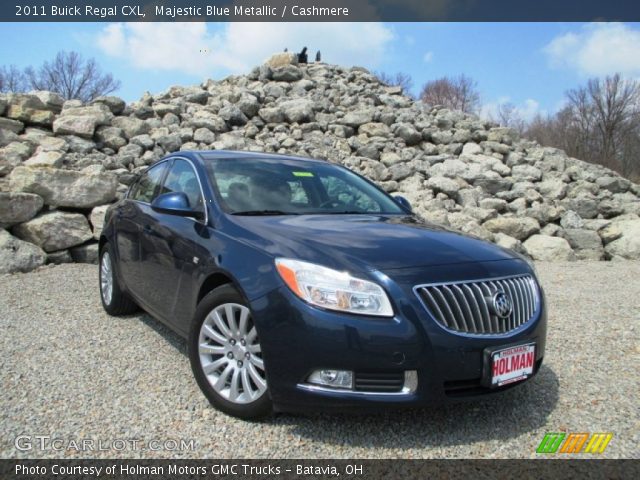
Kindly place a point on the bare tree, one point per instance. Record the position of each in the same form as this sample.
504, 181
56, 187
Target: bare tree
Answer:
507, 115
399, 79
615, 107
11, 79
599, 124
456, 93
72, 77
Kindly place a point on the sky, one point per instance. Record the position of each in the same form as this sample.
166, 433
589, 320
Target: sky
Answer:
530, 65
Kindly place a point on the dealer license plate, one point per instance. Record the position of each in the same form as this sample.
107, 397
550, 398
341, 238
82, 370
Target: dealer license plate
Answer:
512, 364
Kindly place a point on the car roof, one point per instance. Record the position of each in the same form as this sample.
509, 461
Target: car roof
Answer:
231, 154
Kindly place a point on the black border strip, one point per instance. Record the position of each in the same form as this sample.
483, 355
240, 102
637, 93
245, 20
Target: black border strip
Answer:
567, 467
343, 10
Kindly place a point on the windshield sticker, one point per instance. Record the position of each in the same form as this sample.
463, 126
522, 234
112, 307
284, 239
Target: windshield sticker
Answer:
302, 174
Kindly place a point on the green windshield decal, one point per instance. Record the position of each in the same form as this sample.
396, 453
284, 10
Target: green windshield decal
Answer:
302, 174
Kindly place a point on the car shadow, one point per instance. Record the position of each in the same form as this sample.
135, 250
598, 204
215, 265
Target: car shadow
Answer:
506, 415
172, 338
502, 416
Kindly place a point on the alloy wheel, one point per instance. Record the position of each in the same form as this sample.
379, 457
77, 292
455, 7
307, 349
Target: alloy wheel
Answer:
106, 278
230, 354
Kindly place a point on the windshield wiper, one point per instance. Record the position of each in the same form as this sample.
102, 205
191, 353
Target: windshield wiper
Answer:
256, 213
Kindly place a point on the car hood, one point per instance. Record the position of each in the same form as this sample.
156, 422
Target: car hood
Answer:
364, 242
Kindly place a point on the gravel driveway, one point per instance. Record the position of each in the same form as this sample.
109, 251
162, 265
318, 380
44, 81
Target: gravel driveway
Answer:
69, 371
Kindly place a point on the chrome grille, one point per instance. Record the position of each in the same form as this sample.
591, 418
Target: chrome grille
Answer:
467, 307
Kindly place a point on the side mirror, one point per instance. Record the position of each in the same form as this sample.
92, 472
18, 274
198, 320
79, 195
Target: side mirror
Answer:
175, 203
403, 202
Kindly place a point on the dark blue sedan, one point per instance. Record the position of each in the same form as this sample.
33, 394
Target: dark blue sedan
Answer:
300, 285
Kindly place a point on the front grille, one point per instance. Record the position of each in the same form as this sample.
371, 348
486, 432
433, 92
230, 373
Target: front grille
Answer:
379, 382
468, 306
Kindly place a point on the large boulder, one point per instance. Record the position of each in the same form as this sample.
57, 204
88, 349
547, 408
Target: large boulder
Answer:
586, 244
97, 219
298, 110
82, 121
206, 119
111, 137
443, 184
86, 253
29, 109
65, 188
516, 227
282, 59
42, 158
357, 117
627, 245
204, 135
554, 189
233, 115
131, 126
248, 104
614, 184
286, 73
11, 157
12, 125
271, 114
505, 241
81, 126
51, 100
55, 230
18, 207
408, 133
19, 256
7, 137
115, 104
546, 248
375, 129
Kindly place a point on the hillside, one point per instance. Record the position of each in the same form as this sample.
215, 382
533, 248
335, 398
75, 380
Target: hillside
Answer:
62, 163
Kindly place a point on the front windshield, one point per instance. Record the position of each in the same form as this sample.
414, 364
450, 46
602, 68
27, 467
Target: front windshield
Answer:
257, 186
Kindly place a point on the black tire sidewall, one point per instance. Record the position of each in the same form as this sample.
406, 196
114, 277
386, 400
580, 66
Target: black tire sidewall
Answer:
251, 411
121, 303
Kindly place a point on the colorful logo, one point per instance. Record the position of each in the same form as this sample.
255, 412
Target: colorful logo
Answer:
574, 443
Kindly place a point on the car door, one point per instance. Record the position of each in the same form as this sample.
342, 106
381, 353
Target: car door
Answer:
129, 219
169, 246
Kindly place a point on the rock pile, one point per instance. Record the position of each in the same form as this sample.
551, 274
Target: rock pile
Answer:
62, 163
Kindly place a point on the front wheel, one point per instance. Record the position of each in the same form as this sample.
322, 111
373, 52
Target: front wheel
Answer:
226, 356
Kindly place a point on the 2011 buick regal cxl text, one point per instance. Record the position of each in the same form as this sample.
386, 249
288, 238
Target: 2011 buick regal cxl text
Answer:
300, 285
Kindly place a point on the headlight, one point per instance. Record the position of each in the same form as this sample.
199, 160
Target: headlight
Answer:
332, 289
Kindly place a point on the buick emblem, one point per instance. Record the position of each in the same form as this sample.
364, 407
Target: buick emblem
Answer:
501, 304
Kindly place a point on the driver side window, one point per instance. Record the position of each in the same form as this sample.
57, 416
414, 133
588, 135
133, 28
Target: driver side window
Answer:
182, 178
147, 187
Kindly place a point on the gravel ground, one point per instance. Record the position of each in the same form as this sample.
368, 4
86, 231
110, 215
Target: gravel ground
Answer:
69, 371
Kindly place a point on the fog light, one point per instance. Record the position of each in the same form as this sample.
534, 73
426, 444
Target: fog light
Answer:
332, 378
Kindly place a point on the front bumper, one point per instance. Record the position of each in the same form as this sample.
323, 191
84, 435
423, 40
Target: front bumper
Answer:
297, 338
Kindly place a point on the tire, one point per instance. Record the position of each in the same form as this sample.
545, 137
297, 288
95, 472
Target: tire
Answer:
226, 356
115, 301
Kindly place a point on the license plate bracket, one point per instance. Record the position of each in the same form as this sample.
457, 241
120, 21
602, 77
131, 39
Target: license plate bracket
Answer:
506, 364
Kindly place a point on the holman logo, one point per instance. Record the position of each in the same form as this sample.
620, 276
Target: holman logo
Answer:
574, 443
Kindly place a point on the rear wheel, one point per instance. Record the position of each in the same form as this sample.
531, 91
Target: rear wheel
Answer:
226, 356
114, 300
